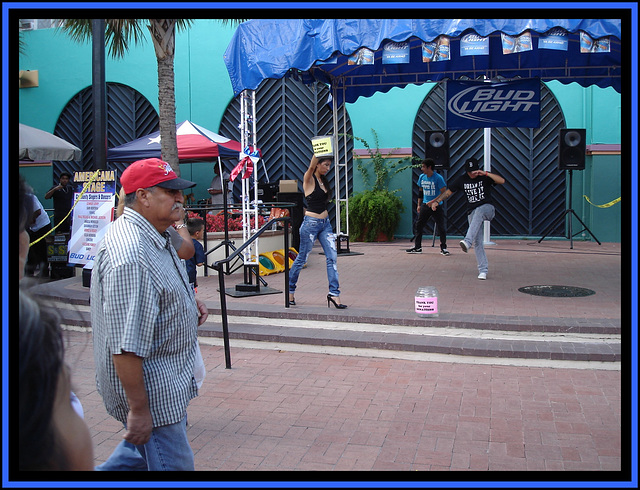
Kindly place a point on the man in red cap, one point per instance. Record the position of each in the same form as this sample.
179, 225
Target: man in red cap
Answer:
144, 320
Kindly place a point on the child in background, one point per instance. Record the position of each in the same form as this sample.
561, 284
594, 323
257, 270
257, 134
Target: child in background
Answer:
195, 226
196, 230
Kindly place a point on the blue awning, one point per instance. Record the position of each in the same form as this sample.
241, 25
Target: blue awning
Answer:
273, 48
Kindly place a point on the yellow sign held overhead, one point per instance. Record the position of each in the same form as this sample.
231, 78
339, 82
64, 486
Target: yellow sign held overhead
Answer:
322, 146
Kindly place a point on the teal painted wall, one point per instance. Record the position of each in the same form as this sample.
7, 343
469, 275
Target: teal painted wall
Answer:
601, 183
203, 91
390, 114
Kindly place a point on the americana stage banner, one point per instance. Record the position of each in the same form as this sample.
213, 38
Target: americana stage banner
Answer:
92, 214
472, 104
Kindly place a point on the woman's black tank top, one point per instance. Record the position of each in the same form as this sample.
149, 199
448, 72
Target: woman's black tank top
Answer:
317, 200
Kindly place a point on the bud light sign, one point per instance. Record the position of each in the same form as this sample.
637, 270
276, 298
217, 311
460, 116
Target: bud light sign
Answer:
472, 104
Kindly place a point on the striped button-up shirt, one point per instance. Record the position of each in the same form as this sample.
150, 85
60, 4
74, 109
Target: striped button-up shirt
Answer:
141, 302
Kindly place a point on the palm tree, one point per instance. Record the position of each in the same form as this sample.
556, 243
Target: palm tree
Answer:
119, 33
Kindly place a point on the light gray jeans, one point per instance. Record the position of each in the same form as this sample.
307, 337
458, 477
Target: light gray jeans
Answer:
475, 233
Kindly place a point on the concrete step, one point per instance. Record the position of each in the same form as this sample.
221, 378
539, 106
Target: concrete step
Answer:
420, 336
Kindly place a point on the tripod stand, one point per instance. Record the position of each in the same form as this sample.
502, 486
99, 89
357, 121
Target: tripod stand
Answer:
570, 212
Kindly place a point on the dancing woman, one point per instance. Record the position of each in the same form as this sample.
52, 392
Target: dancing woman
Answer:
316, 224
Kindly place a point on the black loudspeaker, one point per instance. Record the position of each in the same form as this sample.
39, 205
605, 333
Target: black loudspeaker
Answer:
267, 192
571, 149
437, 148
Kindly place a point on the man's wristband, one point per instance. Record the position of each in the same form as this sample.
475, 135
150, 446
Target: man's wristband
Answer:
181, 225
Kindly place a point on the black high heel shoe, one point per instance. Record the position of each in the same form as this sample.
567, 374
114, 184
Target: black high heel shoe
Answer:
337, 305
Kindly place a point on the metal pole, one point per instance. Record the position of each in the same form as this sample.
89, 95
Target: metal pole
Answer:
487, 168
346, 165
336, 159
99, 93
286, 262
225, 321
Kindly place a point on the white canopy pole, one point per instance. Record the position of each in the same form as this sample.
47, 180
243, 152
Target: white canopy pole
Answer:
346, 166
220, 174
249, 208
336, 156
487, 168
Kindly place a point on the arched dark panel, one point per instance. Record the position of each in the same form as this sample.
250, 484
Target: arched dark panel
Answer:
289, 114
534, 194
130, 115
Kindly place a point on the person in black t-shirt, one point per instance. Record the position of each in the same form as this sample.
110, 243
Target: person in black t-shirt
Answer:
62, 195
476, 185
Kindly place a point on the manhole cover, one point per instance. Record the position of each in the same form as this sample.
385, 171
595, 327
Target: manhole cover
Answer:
557, 291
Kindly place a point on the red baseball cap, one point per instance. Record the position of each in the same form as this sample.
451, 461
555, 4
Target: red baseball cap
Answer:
151, 172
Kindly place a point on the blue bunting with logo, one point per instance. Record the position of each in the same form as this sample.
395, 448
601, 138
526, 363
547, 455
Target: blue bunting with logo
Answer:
472, 104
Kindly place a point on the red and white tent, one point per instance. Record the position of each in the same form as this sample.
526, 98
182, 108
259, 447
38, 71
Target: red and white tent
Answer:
195, 144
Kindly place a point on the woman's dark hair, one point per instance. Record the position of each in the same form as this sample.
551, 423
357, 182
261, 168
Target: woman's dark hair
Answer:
41, 361
325, 181
25, 204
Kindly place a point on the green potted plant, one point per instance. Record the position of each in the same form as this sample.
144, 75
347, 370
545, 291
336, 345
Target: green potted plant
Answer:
374, 213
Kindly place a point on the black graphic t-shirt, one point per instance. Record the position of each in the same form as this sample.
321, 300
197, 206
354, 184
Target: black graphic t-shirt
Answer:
477, 191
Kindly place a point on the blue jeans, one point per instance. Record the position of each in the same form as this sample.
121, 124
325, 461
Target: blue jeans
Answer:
475, 233
167, 450
311, 229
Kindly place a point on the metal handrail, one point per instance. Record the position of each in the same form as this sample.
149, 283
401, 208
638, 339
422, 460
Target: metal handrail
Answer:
218, 265
226, 209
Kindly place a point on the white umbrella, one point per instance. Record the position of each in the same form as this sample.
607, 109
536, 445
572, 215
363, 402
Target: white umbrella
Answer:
36, 144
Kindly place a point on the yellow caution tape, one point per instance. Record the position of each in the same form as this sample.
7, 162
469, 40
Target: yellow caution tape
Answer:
608, 205
84, 189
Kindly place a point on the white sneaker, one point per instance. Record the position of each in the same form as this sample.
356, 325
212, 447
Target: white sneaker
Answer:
464, 246
482, 275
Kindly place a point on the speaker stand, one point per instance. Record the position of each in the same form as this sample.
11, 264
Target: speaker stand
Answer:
570, 212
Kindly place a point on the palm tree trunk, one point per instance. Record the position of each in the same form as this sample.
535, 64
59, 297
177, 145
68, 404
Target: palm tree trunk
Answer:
163, 35
167, 110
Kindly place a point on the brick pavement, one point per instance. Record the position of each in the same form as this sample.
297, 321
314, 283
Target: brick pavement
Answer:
290, 411
282, 410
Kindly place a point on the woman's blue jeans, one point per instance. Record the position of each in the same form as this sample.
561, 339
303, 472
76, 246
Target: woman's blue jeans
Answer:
167, 450
311, 229
475, 233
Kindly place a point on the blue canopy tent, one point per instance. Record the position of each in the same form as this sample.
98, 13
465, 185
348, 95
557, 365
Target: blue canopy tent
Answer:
320, 50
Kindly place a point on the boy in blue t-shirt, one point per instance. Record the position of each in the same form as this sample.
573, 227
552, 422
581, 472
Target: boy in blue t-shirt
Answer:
432, 185
196, 230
